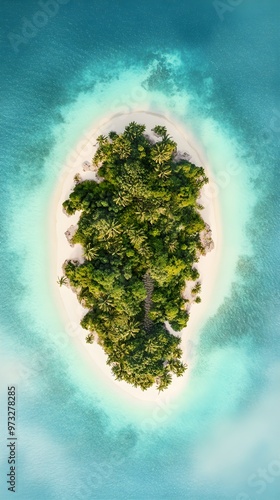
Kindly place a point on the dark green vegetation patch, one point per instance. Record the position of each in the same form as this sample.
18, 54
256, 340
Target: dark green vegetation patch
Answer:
141, 233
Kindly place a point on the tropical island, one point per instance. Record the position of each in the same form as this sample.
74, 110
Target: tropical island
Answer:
142, 233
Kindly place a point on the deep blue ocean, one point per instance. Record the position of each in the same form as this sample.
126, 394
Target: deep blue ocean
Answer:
215, 66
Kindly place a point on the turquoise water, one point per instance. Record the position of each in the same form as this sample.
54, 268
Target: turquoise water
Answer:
215, 70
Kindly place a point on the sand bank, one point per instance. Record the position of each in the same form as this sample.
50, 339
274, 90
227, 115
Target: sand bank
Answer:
208, 266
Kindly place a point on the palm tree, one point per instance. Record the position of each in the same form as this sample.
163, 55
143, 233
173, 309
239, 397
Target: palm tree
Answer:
164, 381
136, 237
122, 147
123, 199
133, 327
172, 246
118, 371
161, 131
90, 253
113, 229
105, 303
103, 151
90, 338
106, 229
134, 130
61, 281
151, 346
112, 134
177, 367
164, 172
101, 140
162, 152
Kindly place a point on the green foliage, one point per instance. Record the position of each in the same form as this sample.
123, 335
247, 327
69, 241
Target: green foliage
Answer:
90, 338
140, 231
196, 289
61, 281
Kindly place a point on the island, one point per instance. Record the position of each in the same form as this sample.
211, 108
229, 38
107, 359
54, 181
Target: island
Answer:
142, 232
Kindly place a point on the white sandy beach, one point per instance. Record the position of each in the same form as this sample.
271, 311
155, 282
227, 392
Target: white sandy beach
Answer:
208, 266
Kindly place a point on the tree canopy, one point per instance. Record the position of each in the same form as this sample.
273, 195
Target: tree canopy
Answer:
140, 230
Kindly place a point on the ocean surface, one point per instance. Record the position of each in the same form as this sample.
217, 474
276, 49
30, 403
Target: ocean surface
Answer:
214, 67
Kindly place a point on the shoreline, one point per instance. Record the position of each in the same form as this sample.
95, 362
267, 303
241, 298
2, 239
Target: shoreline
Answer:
70, 310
